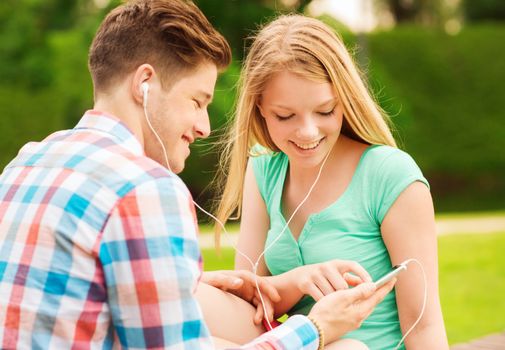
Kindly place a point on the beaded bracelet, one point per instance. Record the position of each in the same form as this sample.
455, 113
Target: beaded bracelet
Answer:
319, 331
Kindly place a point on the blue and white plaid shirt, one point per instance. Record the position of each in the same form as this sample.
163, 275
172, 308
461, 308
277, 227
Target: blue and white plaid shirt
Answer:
98, 249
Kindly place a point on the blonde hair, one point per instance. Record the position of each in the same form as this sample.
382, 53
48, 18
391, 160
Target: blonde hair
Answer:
309, 48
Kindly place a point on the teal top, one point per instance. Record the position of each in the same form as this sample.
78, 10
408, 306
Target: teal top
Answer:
347, 229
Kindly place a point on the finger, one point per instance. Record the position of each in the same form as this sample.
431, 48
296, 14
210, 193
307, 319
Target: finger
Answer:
268, 289
354, 267
223, 281
337, 281
351, 279
376, 297
360, 292
258, 316
268, 306
314, 292
270, 310
326, 287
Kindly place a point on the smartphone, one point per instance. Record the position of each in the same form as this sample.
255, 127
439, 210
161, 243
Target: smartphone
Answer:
388, 276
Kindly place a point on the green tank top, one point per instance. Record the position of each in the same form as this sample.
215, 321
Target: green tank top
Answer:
347, 229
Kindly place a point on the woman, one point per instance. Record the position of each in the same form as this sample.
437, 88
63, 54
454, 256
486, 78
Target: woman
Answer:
303, 109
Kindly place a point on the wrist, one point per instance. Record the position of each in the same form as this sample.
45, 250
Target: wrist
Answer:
320, 332
294, 277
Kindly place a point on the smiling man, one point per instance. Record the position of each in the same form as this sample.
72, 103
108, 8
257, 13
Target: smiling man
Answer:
98, 245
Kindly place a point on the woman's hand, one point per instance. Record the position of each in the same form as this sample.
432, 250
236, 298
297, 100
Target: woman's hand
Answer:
318, 280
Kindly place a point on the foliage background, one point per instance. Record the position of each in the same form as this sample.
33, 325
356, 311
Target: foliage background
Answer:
444, 91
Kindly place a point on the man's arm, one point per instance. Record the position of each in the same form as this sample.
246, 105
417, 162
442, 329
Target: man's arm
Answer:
151, 261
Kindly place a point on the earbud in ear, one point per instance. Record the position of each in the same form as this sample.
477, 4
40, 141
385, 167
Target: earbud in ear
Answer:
145, 91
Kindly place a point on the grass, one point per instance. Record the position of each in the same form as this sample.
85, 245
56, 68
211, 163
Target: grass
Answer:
472, 282
472, 215
212, 261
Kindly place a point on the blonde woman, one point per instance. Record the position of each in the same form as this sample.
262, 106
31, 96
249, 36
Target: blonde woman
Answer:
301, 100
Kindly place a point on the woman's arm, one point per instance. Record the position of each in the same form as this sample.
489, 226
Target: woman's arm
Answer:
316, 280
409, 231
254, 226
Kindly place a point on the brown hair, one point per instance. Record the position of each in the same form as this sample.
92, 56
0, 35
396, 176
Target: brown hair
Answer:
173, 36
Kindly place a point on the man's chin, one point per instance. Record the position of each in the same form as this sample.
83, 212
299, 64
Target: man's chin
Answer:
177, 168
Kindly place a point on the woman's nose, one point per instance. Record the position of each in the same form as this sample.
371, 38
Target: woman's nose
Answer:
308, 130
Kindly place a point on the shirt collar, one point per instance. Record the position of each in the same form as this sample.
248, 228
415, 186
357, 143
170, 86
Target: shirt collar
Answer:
109, 124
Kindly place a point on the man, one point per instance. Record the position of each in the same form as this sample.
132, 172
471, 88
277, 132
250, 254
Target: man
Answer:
98, 244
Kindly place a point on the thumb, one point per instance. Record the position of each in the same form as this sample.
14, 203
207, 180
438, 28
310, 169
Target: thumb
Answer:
232, 282
361, 291
352, 279
223, 281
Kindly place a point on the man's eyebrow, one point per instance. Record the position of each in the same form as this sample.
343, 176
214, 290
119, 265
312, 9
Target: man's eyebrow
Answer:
208, 97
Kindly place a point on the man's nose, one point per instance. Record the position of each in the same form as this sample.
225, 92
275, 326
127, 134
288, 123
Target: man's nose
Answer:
202, 126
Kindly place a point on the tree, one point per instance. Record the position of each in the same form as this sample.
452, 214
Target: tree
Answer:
484, 10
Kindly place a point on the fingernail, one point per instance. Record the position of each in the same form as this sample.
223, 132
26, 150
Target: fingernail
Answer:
237, 281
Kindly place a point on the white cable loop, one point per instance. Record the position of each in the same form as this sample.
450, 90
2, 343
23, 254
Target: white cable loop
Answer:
424, 301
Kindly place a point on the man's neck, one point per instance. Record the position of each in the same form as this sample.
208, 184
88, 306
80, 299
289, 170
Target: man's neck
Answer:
124, 109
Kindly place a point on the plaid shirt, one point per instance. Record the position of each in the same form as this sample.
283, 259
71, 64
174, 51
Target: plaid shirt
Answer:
98, 249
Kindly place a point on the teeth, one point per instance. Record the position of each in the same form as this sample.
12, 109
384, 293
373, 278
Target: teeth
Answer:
308, 145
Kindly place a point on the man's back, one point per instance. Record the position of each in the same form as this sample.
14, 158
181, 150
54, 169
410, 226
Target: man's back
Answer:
73, 242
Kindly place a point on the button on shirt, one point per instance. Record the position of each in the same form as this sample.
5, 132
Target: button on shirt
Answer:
98, 249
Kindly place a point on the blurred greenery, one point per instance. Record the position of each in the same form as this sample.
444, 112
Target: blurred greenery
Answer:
443, 91
484, 10
471, 289
444, 94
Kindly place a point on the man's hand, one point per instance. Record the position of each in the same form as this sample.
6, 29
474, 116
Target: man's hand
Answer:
242, 283
344, 310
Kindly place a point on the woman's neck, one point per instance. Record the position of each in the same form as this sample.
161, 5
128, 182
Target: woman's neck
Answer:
304, 177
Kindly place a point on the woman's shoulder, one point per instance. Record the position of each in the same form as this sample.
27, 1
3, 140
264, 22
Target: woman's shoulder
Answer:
390, 172
388, 157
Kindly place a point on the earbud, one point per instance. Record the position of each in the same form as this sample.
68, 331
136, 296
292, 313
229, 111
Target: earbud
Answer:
145, 91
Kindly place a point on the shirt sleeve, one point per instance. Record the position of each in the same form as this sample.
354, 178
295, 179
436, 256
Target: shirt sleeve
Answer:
298, 332
151, 262
396, 172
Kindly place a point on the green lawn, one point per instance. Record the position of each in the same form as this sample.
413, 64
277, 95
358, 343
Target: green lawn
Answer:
472, 282
471, 214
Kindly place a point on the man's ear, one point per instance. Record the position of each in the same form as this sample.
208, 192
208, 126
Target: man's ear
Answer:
145, 73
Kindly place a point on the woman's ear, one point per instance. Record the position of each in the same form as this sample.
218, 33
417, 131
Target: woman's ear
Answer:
260, 107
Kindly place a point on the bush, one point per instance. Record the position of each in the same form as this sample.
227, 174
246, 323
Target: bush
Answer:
445, 95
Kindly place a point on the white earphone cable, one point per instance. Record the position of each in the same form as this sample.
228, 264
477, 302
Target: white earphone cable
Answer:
255, 264
424, 301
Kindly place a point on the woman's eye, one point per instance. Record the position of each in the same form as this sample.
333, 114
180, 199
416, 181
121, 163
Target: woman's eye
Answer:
284, 117
327, 113
197, 104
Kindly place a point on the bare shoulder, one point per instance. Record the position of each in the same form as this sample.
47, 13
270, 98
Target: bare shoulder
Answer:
353, 149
